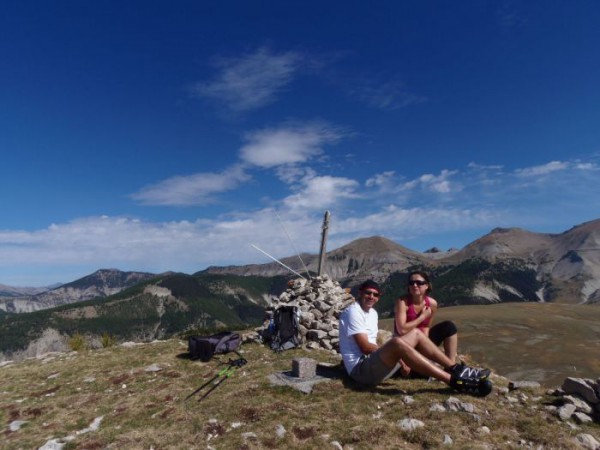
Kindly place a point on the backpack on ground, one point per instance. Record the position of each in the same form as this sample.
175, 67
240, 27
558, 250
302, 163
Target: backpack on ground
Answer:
204, 347
286, 328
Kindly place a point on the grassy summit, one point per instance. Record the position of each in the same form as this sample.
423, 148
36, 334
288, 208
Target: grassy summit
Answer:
133, 397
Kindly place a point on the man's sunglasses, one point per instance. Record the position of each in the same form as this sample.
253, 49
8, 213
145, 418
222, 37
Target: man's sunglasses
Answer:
373, 293
417, 282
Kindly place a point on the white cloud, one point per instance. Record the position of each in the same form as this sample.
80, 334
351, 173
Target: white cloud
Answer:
475, 166
287, 145
291, 174
131, 244
435, 183
321, 192
282, 148
585, 166
250, 81
403, 223
498, 199
544, 169
383, 181
196, 189
92, 243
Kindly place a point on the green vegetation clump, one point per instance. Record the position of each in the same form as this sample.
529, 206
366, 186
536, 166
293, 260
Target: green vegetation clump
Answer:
108, 340
77, 342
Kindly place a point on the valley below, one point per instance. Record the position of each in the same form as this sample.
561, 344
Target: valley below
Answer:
543, 342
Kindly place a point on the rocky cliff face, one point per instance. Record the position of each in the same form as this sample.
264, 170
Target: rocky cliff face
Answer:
569, 261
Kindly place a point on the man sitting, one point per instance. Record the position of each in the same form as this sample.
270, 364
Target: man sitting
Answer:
367, 363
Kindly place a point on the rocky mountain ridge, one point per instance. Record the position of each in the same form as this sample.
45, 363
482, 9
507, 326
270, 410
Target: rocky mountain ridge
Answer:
507, 264
102, 283
566, 265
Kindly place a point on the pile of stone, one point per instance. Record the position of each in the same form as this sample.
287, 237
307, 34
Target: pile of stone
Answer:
320, 301
579, 400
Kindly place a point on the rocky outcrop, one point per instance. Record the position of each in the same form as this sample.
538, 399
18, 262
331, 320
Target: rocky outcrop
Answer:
578, 400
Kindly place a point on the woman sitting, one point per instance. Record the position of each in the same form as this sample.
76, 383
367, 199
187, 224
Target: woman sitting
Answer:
416, 310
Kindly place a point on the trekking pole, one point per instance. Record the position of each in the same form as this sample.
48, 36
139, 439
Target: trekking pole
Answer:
205, 384
225, 373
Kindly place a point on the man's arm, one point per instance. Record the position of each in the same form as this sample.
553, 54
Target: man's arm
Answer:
363, 343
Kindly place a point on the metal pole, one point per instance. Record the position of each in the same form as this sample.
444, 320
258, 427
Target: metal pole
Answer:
277, 261
323, 243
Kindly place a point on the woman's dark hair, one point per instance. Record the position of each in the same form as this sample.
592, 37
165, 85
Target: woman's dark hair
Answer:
424, 275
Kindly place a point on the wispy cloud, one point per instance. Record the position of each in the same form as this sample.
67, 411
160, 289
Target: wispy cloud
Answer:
283, 148
287, 144
196, 189
544, 169
384, 181
385, 95
481, 186
250, 81
322, 192
509, 16
489, 197
405, 223
474, 165
441, 183
130, 244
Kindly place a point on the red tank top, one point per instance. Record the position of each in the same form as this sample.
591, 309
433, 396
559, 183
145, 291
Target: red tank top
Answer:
411, 314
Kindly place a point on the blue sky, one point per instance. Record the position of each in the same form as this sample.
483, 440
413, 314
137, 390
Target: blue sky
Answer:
160, 136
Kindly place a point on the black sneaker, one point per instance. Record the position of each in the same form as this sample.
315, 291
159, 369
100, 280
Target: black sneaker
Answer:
464, 371
473, 386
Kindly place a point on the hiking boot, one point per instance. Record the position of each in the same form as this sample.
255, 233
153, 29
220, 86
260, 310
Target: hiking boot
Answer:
479, 387
464, 371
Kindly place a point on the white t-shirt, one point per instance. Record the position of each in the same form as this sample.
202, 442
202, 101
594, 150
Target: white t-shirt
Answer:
354, 320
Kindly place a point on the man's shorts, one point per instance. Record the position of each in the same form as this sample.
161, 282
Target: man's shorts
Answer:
371, 370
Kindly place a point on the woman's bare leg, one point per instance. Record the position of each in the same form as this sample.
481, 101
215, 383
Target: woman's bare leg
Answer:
416, 350
451, 347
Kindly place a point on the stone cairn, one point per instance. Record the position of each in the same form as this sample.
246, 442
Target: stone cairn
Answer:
320, 300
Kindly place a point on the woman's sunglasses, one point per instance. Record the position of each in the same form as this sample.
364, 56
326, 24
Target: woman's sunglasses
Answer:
417, 282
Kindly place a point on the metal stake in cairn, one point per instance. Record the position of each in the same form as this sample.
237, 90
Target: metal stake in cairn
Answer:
323, 243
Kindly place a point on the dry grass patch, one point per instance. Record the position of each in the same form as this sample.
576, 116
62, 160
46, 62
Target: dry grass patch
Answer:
62, 395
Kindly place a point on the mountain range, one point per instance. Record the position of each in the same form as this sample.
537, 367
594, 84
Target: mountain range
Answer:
566, 268
506, 265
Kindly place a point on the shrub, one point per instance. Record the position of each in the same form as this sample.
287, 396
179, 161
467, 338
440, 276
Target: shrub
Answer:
107, 340
77, 342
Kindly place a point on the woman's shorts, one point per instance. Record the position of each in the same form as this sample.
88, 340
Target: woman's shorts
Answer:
441, 331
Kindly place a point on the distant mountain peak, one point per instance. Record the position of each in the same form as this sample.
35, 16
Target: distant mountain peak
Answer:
500, 230
373, 244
